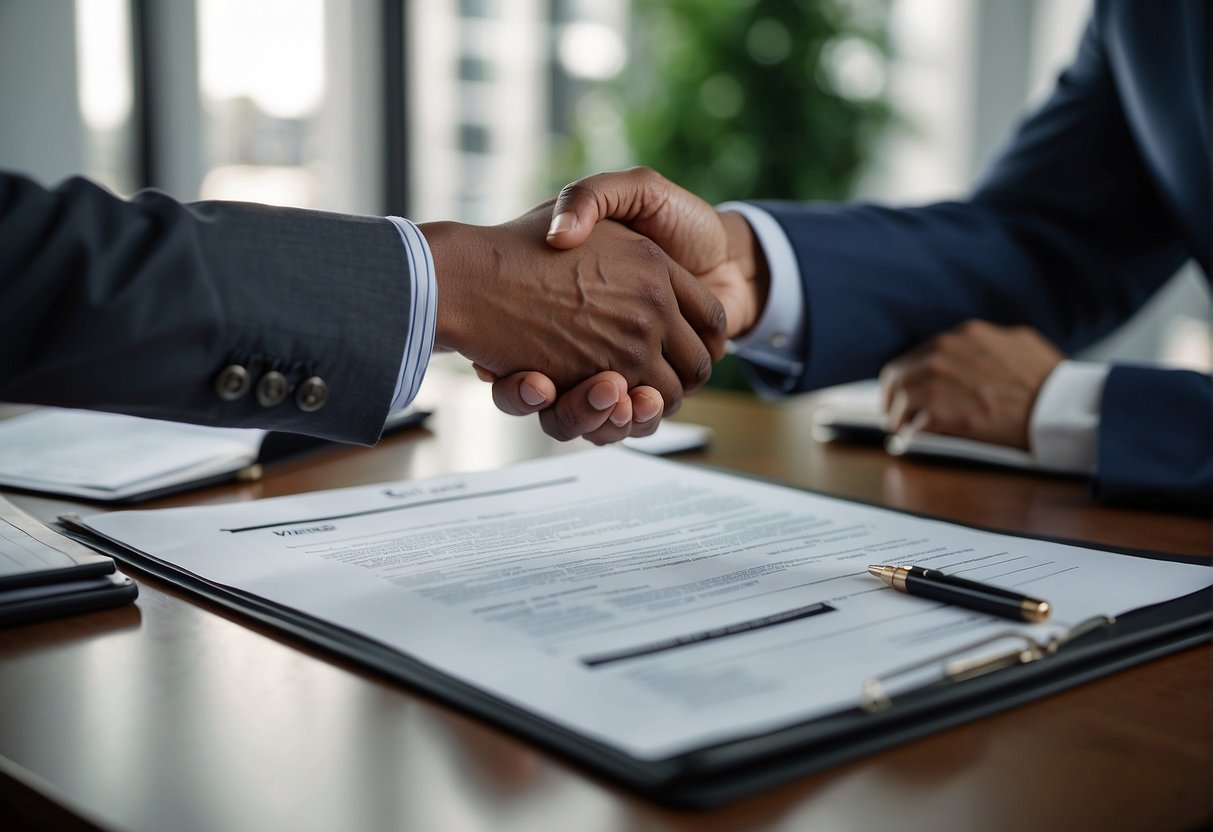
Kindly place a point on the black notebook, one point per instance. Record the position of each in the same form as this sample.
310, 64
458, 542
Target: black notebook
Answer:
44, 574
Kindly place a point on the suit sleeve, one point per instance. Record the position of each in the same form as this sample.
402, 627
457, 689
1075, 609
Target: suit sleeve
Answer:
1066, 232
1156, 439
139, 306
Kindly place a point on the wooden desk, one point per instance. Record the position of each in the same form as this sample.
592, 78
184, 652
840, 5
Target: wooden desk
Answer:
176, 715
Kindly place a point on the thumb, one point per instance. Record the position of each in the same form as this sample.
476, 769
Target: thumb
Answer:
620, 195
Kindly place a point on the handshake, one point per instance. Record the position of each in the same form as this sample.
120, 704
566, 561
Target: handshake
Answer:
608, 322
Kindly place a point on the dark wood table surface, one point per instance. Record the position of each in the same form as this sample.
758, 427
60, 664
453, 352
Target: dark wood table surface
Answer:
174, 714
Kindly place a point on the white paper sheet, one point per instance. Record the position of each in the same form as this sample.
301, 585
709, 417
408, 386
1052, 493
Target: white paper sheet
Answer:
109, 456
651, 605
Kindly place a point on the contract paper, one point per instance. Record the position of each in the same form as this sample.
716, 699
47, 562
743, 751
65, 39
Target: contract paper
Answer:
653, 606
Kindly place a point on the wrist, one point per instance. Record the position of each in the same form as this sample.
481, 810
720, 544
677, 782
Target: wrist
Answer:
458, 257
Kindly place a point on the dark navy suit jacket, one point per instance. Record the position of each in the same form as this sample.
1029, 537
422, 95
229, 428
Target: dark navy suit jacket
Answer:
138, 306
1098, 198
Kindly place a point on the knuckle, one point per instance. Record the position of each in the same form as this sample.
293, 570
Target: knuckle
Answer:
977, 329
634, 351
645, 428
575, 194
703, 370
718, 322
555, 422
569, 421
653, 297
935, 365
649, 251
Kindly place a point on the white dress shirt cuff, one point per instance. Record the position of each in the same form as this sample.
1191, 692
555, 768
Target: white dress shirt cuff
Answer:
1064, 426
419, 340
775, 339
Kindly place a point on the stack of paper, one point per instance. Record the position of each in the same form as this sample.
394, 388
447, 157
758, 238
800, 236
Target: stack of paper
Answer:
112, 458
104, 456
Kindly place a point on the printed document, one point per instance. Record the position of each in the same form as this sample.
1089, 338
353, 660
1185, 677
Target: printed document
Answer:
654, 606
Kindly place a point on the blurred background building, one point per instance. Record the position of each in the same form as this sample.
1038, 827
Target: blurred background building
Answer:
478, 109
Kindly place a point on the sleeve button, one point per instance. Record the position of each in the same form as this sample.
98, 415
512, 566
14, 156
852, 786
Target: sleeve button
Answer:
271, 390
312, 394
232, 382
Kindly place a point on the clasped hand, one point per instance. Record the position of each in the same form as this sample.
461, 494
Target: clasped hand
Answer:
541, 319
712, 265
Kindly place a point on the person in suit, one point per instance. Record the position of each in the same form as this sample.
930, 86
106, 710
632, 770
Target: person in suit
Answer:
236, 314
1096, 200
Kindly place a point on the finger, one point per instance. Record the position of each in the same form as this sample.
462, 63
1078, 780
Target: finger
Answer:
900, 410
893, 374
608, 434
701, 309
523, 393
583, 203
646, 411
621, 414
644, 405
483, 373
947, 409
919, 424
684, 347
584, 408
662, 378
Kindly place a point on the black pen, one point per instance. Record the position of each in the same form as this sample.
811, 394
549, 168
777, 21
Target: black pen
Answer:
933, 584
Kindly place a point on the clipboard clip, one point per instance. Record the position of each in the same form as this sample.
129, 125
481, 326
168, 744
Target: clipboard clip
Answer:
1008, 648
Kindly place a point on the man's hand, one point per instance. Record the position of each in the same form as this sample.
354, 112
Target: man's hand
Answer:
718, 248
511, 304
979, 381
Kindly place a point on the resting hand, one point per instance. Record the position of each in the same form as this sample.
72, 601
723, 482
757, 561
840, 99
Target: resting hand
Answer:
510, 303
978, 381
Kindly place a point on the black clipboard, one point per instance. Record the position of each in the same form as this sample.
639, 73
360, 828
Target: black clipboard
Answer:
716, 774
61, 577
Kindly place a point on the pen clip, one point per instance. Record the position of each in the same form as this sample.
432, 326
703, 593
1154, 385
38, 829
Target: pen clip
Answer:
957, 667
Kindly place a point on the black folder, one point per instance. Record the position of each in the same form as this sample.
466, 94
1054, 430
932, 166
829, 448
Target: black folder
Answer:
45, 575
720, 773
